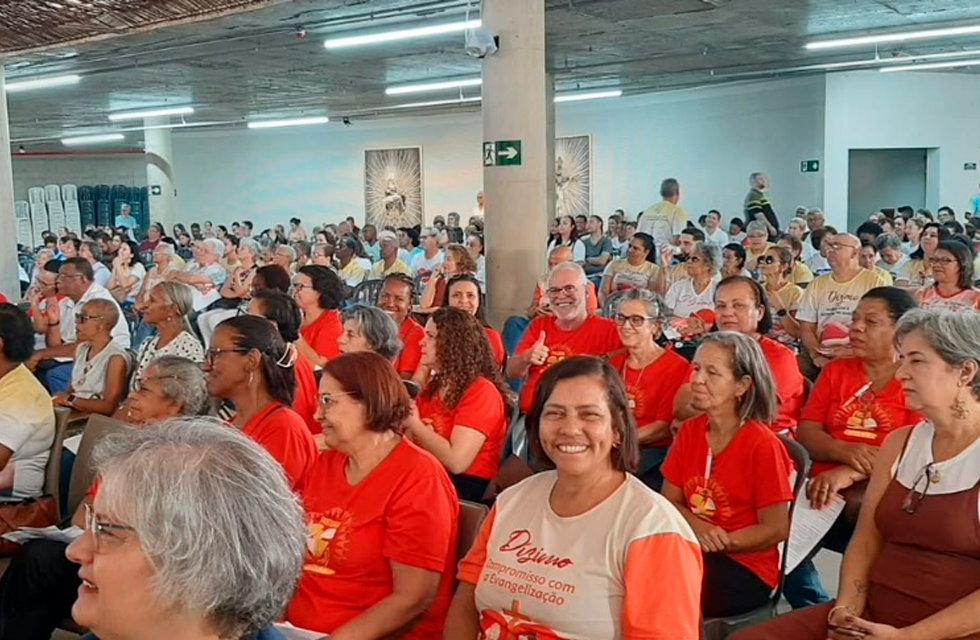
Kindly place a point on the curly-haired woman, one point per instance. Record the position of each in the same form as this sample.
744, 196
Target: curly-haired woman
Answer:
461, 416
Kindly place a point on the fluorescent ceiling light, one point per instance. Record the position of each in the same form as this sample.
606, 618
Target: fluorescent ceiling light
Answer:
290, 122
433, 86
42, 83
934, 65
151, 113
434, 103
401, 34
105, 137
594, 95
894, 37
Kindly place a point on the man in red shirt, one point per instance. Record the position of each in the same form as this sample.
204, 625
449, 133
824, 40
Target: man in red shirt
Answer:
569, 331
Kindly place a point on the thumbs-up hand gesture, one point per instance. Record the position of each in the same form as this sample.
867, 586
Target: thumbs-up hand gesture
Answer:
539, 351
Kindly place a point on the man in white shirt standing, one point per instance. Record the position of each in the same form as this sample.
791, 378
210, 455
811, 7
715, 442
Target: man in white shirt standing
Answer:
75, 282
431, 257
478, 209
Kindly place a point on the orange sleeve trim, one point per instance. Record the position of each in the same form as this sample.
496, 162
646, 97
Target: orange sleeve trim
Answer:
661, 610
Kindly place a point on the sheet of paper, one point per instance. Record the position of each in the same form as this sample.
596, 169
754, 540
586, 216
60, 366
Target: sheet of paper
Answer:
23, 534
809, 526
295, 633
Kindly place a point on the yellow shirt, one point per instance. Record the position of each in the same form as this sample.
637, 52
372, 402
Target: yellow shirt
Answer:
801, 274
353, 274
788, 299
27, 429
915, 274
663, 221
626, 276
379, 271
828, 302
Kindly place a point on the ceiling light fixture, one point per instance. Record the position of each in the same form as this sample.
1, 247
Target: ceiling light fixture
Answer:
401, 34
151, 113
955, 64
593, 95
894, 37
42, 83
433, 86
97, 139
434, 103
290, 122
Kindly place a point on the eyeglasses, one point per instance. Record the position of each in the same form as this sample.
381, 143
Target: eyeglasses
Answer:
299, 286
767, 260
567, 290
943, 261
99, 529
211, 353
914, 498
695, 259
139, 384
81, 318
69, 276
837, 246
635, 321
327, 400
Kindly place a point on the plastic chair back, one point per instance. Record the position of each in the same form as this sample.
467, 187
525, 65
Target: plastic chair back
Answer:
52, 472
471, 517
82, 474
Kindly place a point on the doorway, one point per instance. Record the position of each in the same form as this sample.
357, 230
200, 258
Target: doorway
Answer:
880, 178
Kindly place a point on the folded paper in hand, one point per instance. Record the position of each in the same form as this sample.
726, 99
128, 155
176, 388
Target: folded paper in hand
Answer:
24, 534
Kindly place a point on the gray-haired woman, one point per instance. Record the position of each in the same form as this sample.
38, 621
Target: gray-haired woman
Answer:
167, 310
651, 375
689, 297
226, 571
912, 568
756, 243
728, 474
168, 386
369, 329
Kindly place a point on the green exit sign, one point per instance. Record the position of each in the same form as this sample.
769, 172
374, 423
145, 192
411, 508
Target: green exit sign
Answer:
502, 153
809, 166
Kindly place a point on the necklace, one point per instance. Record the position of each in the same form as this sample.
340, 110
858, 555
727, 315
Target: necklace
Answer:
632, 400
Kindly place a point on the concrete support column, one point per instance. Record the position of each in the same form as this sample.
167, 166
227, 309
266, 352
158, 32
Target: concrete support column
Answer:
517, 106
9, 281
160, 173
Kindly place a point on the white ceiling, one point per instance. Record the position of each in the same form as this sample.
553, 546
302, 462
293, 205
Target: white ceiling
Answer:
251, 61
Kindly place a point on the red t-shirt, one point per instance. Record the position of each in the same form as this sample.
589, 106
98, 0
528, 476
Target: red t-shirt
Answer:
596, 337
411, 334
482, 409
284, 434
866, 419
789, 383
322, 334
306, 398
651, 390
404, 511
750, 474
496, 345
3, 299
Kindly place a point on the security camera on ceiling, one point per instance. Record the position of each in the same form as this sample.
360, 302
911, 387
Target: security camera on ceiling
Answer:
480, 42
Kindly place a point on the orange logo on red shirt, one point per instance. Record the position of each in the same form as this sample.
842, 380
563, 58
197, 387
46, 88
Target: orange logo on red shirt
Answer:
863, 418
511, 624
328, 535
706, 498
557, 353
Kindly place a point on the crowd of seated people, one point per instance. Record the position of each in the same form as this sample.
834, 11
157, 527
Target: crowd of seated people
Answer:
657, 488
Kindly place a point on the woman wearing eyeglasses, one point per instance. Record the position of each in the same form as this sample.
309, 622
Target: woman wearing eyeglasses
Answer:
783, 294
952, 271
251, 366
101, 366
917, 272
912, 569
381, 515
319, 293
651, 375
638, 270
691, 299
463, 409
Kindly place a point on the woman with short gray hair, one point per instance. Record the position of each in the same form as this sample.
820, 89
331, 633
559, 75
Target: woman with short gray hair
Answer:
369, 329
168, 386
912, 562
167, 310
756, 243
728, 474
691, 299
194, 530
651, 375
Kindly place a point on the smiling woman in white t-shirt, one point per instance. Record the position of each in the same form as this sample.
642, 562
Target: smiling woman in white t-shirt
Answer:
567, 238
584, 551
26, 413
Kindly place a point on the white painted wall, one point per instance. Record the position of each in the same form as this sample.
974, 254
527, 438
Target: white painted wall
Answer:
38, 171
873, 110
710, 139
